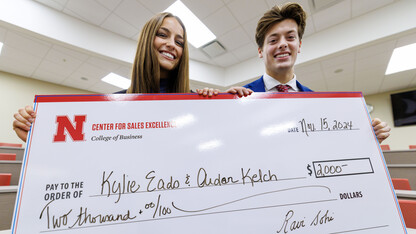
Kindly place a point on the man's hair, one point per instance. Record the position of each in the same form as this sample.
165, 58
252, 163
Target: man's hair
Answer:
278, 14
145, 77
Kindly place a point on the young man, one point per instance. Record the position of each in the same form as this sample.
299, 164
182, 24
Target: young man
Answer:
279, 38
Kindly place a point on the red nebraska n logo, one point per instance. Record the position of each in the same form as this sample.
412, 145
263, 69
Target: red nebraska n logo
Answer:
76, 132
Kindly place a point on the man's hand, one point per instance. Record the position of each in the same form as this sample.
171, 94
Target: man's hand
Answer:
381, 129
240, 91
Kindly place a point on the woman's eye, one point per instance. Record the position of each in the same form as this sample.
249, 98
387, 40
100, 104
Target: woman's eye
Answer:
179, 43
160, 34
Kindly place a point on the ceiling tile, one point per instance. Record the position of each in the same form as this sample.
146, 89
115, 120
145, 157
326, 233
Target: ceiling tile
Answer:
27, 44
157, 6
317, 85
83, 9
246, 51
124, 71
18, 62
368, 80
203, 8
59, 70
62, 59
333, 15
310, 28
344, 84
311, 77
75, 15
221, 22
413, 83
76, 81
225, 60
103, 63
71, 52
198, 55
250, 28
45, 75
337, 60
57, 5
310, 72
91, 72
102, 87
109, 4
115, 24
303, 3
234, 39
406, 40
346, 69
396, 81
374, 62
245, 10
133, 13
3, 35
360, 7
379, 48
12, 54
272, 3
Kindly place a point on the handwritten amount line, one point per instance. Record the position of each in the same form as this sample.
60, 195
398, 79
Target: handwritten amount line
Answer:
193, 215
361, 229
256, 195
193, 187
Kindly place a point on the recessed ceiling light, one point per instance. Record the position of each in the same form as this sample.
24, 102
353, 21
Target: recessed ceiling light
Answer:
117, 80
402, 59
198, 33
1, 46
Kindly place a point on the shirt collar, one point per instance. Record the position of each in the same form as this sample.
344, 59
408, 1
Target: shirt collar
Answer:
270, 83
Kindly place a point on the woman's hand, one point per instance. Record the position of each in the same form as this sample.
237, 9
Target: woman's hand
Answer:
208, 92
23, 121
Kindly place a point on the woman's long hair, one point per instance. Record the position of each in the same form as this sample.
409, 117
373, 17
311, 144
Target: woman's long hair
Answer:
145, 76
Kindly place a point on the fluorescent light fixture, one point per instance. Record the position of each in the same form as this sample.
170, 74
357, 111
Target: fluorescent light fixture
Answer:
117, 80
402, 59
198, 34
1, 46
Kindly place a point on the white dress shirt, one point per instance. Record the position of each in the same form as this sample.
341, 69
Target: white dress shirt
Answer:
270, 84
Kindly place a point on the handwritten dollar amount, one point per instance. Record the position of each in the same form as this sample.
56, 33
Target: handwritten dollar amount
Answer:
323, 170
325, 125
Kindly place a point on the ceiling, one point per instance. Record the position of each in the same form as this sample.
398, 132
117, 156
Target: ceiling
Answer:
358, 68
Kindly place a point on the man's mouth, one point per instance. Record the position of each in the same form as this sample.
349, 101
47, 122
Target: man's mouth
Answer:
282, 55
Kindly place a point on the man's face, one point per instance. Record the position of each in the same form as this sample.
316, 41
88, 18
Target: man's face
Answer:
281, 47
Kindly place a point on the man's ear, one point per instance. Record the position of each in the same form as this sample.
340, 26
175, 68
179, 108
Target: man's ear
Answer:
300, 44
260, 52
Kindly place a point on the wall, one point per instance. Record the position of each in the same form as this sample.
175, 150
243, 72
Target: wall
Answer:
400, 137
17, 92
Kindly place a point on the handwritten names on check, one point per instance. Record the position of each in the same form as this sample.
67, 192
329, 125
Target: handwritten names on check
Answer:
115, 186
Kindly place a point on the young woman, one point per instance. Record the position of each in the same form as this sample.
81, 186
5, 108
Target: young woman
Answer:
161, 65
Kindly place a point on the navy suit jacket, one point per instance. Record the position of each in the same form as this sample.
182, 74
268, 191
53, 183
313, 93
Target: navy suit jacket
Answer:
258, 86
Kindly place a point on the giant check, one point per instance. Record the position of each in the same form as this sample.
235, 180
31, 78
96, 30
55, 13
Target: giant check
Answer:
268, 163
